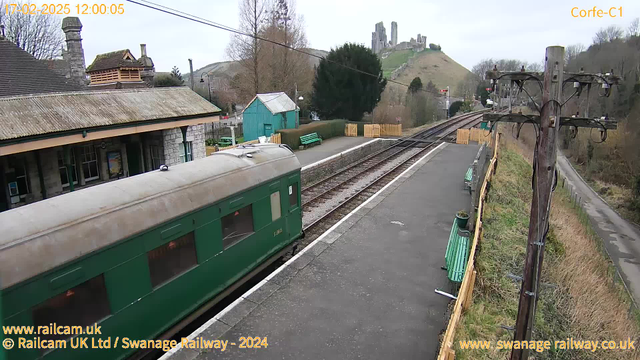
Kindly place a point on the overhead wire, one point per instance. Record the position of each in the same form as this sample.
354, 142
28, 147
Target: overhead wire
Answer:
187, 16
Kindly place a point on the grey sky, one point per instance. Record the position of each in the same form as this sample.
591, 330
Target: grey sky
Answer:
467, 30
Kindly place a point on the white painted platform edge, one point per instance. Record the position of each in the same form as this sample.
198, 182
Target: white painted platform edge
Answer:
257, 286
342, 153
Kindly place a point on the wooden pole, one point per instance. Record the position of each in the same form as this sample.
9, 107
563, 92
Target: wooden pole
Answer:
544, 171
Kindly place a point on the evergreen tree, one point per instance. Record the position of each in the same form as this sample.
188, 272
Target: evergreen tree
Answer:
415, 86
340, 92
175, 73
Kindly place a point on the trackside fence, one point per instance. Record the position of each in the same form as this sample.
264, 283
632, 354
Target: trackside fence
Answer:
465, 293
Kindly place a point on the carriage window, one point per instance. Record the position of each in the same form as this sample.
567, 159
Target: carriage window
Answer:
172, 259
275, 206
237, 226
293, 195
82, 305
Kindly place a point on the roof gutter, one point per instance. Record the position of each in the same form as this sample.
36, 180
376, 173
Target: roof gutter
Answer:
19, 145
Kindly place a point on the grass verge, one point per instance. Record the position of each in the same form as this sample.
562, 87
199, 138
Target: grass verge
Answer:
580, 298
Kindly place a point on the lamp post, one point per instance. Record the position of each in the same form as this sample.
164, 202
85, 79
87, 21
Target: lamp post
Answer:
208, 83
297, 110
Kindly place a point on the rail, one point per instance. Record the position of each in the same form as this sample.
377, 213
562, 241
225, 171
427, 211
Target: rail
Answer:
470, 119
465, 293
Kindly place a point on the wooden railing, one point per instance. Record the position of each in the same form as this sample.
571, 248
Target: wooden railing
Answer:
466, 288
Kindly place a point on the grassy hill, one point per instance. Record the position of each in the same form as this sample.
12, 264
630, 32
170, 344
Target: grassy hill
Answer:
428, 64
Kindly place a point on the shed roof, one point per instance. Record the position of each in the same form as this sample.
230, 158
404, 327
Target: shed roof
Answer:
22, 74
114, 60
24, 116
277, 102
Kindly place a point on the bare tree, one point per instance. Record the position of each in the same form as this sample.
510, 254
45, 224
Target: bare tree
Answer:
246, 49
533, 67
288, 68
39, 35
467, 87
634, 28
571, 52
607, 34
481, 68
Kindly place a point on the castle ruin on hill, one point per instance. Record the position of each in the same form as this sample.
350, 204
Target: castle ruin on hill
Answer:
379, 40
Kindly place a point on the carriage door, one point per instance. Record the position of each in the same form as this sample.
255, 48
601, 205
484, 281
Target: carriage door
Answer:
294, 218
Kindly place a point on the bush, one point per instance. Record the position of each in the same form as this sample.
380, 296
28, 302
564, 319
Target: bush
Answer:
433, 46
326, 129
455, 107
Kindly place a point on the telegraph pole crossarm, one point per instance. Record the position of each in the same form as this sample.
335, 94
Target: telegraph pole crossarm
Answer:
564, 120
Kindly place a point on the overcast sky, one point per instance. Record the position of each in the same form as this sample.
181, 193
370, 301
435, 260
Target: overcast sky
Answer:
467, 30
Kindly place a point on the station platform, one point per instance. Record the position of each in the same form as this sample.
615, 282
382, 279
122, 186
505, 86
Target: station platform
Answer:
365, 288
329, 148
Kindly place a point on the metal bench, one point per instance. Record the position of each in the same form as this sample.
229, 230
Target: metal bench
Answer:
457, 253
310, 139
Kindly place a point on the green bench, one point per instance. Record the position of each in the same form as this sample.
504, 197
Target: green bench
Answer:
457, 253
310, 139
468, 177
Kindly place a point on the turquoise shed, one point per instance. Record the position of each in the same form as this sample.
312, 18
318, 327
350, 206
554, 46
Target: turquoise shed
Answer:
267, 113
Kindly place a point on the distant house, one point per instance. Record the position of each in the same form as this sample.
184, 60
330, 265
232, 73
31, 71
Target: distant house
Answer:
117, 69
267, 113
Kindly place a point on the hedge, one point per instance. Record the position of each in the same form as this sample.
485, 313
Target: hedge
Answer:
326, 129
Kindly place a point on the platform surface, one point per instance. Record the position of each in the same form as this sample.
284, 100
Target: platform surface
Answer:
364, 290
328, 148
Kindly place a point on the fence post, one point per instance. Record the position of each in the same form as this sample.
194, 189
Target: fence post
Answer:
469, 294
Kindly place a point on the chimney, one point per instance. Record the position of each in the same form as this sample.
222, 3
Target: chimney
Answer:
74, 54
147, 74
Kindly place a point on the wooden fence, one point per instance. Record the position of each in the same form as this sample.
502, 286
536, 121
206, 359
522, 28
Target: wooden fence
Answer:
372, 130
390, 129
462, 136
351, 130
465, 293
274, 139
479, 135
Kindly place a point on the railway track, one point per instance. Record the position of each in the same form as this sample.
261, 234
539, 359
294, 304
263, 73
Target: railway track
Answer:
372, 173
376, 171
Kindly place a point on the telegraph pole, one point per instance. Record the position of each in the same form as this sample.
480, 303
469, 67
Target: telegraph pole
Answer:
548, 123
543, 181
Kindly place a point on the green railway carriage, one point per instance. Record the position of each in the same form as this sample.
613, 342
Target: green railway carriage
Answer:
140, 254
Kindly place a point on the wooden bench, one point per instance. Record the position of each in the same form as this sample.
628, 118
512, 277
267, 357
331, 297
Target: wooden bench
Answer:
457, 253
310, 139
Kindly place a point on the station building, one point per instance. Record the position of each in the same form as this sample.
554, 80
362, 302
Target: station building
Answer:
59, 134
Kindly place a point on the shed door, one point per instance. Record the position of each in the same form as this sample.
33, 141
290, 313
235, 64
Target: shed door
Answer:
268, 130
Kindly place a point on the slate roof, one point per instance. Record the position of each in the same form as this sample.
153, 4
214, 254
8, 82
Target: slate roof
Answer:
24, 116
113, 60
277, 102
21, 74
